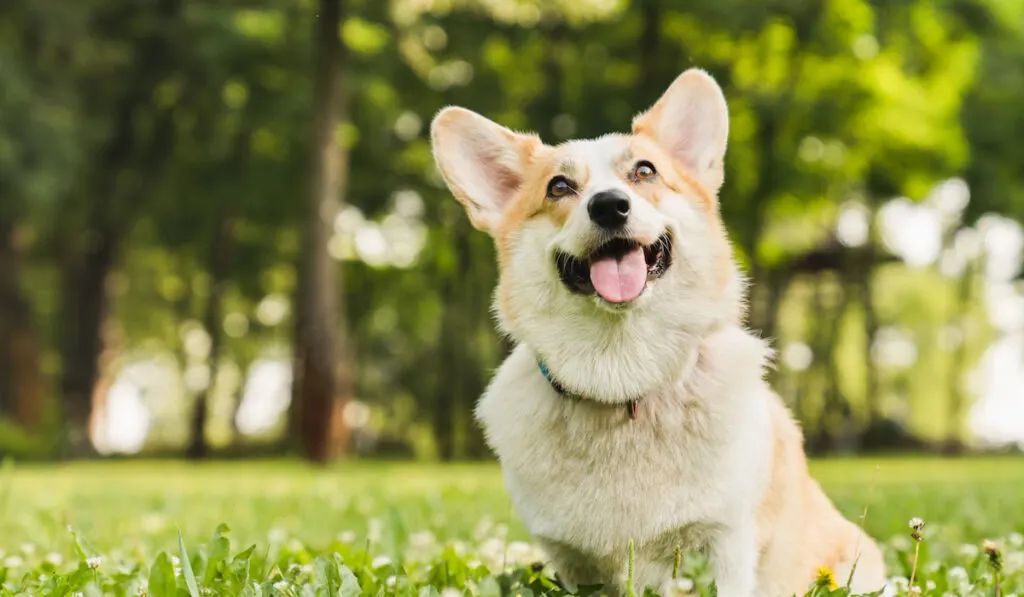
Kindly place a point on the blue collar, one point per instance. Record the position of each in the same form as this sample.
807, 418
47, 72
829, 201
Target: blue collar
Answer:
631, 406
551, 379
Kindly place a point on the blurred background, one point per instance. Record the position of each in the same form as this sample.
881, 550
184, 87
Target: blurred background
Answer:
222, 232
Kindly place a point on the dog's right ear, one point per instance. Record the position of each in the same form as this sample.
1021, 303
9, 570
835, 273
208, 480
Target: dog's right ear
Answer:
482, 162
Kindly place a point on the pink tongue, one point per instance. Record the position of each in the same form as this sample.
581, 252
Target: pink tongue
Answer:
620, 280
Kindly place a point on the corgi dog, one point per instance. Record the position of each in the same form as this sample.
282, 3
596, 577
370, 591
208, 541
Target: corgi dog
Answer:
633, 407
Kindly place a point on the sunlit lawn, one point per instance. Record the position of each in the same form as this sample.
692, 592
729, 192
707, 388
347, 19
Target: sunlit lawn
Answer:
130, 511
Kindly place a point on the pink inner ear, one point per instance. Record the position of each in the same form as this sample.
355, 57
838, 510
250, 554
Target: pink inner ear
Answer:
497, 174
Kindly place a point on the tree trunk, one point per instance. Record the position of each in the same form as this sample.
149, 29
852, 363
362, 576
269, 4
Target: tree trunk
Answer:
22, 388
451, 369
322, 378
870, 329
111, 202
838, 412
959, 364
218, 264
86, 308
447, 382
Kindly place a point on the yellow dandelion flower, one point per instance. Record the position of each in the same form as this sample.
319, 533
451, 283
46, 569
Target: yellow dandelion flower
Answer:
826, 578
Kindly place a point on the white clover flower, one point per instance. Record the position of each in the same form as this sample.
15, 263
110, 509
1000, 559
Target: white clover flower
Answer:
679, 587
929, 586
175, 561
521, 553
375, 530
1014, 561
958, 578
379, 561
347, 536
294, 569
969, 551
153, 523
914, 590
422, 539
901, 543
391, 581
281, 585
13, 562
492, 551
277, 535
54, 558
93, 562
483, 528
1015, 540
901, 583
916, 523
28, 548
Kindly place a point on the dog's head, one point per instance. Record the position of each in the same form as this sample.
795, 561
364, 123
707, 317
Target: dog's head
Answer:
613, 260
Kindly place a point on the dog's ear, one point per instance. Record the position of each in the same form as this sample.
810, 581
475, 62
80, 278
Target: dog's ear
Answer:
481, 161
691, 122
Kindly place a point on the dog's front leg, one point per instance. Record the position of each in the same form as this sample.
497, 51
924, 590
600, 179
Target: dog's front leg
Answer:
733, 558
571, 567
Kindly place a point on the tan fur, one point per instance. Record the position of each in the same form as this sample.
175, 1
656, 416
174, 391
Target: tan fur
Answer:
714, 460
800, 529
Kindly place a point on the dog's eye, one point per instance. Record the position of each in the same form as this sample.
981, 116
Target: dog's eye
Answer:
559, 187
644, 170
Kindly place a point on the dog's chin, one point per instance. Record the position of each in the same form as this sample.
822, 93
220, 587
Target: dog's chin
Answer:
575, 272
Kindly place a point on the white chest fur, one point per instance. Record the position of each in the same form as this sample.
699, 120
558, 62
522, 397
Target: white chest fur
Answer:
584, 476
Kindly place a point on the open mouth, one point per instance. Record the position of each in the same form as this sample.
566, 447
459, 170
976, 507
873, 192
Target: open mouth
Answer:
619, 270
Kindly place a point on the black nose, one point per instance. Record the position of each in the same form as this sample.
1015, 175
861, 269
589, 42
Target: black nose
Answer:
609, 209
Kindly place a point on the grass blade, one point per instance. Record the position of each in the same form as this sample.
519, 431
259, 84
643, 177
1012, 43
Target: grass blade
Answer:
186, 568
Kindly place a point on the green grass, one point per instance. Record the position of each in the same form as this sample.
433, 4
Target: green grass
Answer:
425, 527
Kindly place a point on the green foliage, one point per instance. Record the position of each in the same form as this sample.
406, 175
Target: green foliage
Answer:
366, 530
151, 127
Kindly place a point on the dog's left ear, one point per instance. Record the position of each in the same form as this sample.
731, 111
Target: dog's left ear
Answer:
691, 122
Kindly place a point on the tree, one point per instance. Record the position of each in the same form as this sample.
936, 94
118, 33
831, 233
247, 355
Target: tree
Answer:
322, 378
115, 186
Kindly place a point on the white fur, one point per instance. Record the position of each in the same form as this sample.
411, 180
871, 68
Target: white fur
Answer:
688, 472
